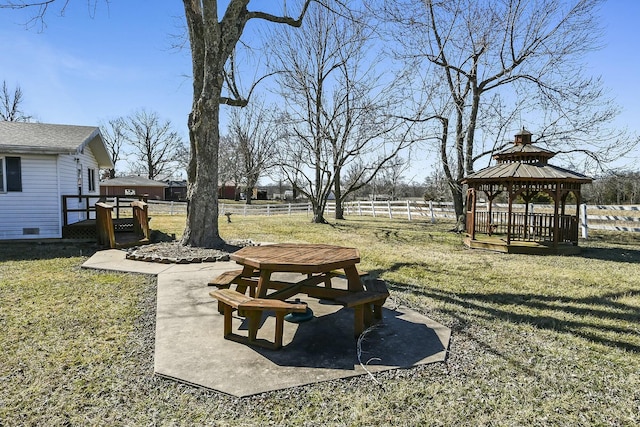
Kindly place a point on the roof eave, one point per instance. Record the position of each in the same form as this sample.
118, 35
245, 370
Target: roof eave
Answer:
527, 179
99, 149
21, 149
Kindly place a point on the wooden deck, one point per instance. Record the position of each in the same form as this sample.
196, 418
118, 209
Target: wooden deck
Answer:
112, 232
86, 230
498, 243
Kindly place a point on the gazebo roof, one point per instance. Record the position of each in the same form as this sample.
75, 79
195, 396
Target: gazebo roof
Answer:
524, 148
524, 162
526, 172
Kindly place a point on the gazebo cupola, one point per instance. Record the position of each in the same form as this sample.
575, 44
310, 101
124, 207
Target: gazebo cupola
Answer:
521, 172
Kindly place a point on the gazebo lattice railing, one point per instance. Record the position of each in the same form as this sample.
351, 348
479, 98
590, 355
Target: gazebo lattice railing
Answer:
532, 227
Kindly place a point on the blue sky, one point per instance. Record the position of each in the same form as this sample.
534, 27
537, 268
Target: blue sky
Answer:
83, 70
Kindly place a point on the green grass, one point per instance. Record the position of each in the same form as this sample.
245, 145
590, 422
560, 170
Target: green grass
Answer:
537, 340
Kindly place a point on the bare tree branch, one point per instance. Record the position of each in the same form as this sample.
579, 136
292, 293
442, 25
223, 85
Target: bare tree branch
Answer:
10, 105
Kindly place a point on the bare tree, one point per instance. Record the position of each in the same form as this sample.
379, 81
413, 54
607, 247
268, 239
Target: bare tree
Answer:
212, 40
391, 176
338, 110
213, 44
113, 134
436, 188
182, 159
254, 133
229, 163
487, 65
153, 143
10, 110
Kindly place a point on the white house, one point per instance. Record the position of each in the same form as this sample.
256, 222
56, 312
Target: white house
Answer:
39, 163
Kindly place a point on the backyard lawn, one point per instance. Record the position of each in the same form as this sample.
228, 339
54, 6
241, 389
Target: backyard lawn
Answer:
536, 340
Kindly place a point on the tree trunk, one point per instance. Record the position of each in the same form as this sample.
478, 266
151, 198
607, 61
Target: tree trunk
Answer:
318, 215
337, 192
339, 209
202, 209
458, 200
318, 207
248, 193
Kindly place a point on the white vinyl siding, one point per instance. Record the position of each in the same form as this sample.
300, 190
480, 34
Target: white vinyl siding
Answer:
71, 167
33, 212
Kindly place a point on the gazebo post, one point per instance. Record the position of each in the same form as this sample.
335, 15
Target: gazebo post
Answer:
471, 211
490, 213
574, 236
510, 190
556, 217
526, 196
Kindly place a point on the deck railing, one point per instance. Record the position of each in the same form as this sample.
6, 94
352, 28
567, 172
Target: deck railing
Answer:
141, 219
104, 225
106, 229
87, 210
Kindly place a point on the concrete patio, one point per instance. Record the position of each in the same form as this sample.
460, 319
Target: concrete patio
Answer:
190, 348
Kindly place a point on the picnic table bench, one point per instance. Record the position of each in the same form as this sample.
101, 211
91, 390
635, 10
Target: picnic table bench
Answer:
252, 309
320, 263
367, 304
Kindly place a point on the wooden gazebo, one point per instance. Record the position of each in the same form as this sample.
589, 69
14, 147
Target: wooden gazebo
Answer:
522, 171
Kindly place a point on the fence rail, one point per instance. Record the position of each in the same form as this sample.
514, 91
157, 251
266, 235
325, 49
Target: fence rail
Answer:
598, 217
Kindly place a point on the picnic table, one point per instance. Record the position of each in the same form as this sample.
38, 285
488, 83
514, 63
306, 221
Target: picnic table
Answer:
319, 263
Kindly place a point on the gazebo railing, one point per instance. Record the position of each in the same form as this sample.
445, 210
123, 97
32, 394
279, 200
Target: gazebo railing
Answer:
533, 227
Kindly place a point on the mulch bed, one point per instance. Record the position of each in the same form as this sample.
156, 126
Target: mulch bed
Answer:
175, 253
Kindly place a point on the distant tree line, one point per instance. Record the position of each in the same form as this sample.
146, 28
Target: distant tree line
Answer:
615, 188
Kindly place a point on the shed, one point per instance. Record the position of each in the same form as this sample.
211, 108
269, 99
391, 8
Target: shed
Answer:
522, 172
39, 163
133, 186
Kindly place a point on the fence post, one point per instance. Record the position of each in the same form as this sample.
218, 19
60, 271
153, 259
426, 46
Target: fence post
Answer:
359, 208
408, 210
289, 209
433, 218
583, 221
389, 208
268, 210
373, 209
244, 211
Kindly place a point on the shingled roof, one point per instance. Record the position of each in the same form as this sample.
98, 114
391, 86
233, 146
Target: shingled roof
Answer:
42, 138
133, 181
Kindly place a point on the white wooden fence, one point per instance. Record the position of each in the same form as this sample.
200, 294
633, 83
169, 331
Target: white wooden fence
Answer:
594, 217
608, 217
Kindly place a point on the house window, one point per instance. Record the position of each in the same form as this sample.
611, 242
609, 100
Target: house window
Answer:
91, 178
10, 174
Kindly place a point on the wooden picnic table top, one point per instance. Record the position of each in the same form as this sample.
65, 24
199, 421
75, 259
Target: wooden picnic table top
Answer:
306, 258
297, 257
